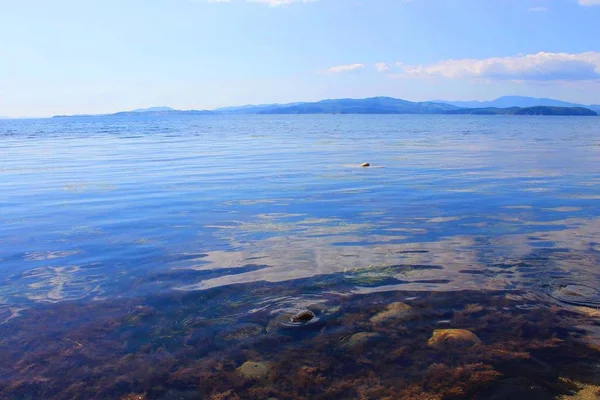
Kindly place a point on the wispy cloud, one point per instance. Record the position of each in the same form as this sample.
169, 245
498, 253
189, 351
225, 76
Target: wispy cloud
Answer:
538, 9
525, 67
589, 2
345, 68
382, 67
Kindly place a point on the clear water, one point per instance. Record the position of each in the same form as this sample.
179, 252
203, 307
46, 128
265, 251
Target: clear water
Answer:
185, 242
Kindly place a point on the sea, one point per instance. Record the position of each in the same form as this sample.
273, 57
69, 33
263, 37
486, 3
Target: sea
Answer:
253, 257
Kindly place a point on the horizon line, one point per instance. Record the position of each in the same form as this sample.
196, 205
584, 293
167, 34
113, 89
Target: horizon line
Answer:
2, 117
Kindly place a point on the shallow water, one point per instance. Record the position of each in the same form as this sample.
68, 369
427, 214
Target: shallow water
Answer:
156, 256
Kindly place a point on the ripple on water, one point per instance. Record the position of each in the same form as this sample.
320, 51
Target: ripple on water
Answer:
575, 293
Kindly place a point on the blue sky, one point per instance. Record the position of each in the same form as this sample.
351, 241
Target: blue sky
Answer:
74, 56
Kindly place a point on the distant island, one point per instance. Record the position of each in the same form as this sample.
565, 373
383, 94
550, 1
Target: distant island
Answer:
536, 110
509, 105
518, 101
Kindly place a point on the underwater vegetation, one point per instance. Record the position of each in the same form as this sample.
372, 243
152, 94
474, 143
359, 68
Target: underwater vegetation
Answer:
218, 344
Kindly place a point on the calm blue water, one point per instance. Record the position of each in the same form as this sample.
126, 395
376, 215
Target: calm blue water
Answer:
274, 214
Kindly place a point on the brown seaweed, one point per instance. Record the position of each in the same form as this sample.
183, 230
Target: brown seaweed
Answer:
202, 345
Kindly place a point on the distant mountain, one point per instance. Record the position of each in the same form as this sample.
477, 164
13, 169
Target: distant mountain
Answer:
515, 101
537, 110
374, 105
595, 107
384, 105
157, 112
153, 109
252, 109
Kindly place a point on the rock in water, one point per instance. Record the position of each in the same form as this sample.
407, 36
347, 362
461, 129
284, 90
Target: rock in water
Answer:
586, 392
588, 311
303, 317
448, 338
358, 340
365, 164
395, 311
254, 369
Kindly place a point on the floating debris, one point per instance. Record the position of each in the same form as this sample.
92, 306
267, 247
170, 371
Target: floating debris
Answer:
365, 165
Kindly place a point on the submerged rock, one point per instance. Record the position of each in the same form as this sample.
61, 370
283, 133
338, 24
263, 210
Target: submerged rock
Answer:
585, 391
255, 369
303, 317
448, 338
359, 339
588, 311
365, 164
395, 311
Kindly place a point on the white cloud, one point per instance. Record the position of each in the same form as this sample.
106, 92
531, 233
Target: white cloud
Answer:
382, 67
525, 67
538, 9
589, 2
345, 68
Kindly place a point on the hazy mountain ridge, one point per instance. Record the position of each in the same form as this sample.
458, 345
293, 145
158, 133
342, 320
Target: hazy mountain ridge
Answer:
165, 112
536, 110
154, 109
507, 105
519, 101
374, 105
253, 108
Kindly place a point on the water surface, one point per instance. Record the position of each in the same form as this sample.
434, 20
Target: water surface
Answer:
155, 257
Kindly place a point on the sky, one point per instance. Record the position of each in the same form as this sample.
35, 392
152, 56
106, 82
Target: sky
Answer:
92, 56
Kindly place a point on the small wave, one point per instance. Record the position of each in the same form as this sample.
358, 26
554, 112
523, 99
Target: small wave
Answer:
575, 293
